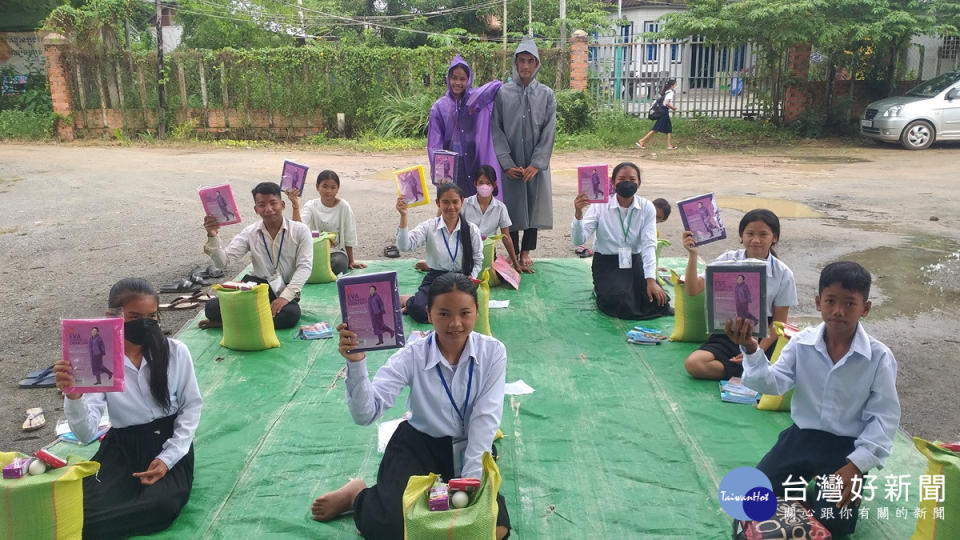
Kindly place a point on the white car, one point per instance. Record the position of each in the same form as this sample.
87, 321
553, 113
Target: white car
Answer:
927, 113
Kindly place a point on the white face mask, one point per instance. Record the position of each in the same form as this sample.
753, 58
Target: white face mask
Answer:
485, 190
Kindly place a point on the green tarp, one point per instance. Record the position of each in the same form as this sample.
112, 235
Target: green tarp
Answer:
616, 442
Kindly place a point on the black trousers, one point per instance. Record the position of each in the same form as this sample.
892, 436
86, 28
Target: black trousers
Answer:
809, 453
622, 292
288, 317
378, 509
117, 505
529, 240
417, 304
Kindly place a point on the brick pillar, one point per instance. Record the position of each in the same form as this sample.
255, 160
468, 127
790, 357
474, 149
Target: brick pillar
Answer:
54, 48
795, 97
578, 60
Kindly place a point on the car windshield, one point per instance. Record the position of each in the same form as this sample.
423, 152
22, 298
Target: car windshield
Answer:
934, 86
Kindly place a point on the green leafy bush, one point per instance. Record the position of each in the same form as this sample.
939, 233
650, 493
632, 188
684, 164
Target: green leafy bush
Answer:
573, 111
403, 116
16, 124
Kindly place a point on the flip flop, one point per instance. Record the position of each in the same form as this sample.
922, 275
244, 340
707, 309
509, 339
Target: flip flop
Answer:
391, 251
43, 379
184, 285
35, 419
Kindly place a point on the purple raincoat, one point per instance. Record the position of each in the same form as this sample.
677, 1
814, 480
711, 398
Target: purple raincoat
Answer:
464, 127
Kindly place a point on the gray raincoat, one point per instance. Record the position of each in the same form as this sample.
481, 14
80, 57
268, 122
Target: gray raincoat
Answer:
523, 126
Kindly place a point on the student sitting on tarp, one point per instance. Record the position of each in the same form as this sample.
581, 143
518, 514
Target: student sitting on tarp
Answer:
146, 458
625, 249
333, 214
845, 407
281, 251
456, 379
453, 245
489, 214
720, 358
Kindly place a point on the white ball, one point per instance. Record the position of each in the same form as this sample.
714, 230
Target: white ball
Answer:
460, 499
37, 467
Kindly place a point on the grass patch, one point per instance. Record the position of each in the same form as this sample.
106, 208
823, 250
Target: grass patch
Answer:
31, 126
369, 142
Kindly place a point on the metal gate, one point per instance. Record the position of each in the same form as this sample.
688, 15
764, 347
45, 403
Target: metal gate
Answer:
713, 80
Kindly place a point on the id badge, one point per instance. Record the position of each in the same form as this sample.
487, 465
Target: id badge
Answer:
459, 449
626, 257
276, 283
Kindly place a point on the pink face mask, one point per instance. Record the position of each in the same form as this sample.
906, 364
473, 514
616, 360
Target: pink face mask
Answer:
485, 190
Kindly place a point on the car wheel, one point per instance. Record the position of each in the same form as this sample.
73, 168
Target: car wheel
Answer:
917, 135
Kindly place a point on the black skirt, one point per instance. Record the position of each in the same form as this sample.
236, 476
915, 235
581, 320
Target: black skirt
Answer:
663, 124
117, 505
378, 509
622, 292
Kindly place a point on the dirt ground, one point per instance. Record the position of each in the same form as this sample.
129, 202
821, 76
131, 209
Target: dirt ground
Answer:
76, 218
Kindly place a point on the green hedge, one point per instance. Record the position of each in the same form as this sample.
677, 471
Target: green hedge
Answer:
15, 124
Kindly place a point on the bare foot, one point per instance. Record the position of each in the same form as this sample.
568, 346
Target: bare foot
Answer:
331, 505
525, 259
403, 302
421, 266
207, 323
502, 532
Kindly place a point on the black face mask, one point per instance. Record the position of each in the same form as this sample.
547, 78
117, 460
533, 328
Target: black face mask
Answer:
142, 331
627, 189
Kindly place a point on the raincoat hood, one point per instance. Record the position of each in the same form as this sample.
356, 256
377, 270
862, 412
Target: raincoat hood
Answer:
459, 61
526, 46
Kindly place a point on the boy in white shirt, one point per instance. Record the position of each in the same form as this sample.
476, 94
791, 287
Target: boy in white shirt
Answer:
845, 407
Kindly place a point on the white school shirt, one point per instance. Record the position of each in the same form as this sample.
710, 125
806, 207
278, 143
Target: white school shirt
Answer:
431, 411
668, 98
604, 219
441, 244
339, 219
293, 242
135, 405
781, 285
856, 397
490, 222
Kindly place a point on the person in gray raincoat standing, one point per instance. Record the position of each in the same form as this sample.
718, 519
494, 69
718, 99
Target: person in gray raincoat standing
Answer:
524, 125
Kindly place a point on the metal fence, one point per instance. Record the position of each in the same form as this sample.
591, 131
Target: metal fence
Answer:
713, 80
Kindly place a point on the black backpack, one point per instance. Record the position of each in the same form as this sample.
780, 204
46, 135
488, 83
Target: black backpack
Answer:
657, 110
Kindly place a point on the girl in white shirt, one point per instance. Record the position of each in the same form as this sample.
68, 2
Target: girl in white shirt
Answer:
489, 214
333, 214
720, 358
663, 124
625, 250
146, 458
456, 379
453, 245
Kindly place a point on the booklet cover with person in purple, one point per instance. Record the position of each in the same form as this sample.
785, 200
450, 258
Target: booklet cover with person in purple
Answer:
294, 175
94, 349
592, 181
412, 186
218, 202
370, 306
444, 169
701, 216
736, 290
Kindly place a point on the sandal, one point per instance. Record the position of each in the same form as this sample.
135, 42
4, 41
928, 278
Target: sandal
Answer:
673, 148
640, 146
39, 379
184, 285
35, 419
391, 251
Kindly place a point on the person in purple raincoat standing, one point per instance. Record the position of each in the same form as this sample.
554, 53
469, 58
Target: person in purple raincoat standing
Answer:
460, 122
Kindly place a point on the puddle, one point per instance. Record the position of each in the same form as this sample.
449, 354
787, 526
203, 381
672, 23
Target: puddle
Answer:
781, 207
823, 159
920, 276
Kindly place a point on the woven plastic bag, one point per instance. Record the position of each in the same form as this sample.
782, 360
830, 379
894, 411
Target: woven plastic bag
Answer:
941, 464
44, 507
477, 521
690, 316
483, 299
777, 403
490, 255
247, 320
322, 273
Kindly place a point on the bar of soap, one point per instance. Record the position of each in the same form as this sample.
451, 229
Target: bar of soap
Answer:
460, 499
37, 468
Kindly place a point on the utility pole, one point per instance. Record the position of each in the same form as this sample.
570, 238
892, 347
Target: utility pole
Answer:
563, 25
161, 101
504, 24
530, 16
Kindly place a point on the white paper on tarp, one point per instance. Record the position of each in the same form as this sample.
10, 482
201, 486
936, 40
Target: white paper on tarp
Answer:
496, 304
517, 388
385, 432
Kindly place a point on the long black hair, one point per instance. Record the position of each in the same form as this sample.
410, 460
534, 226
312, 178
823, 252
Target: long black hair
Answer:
449, 282
666, 86
157, 349
766, 216
616, 169
466, 240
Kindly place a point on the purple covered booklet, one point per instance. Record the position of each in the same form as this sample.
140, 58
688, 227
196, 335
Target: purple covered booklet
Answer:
592, 180
370, 305
701, 216
737, 289
218, 202
294, 175
94, 348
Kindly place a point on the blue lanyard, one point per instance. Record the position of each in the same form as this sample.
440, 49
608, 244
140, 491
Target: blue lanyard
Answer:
466, 401
453, 256
283, 235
